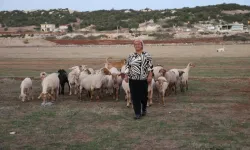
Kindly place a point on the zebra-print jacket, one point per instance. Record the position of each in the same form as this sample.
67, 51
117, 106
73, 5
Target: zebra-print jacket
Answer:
138, 66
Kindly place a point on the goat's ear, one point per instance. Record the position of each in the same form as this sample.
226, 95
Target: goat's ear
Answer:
88, 71
181, 73
162, 71
106, 71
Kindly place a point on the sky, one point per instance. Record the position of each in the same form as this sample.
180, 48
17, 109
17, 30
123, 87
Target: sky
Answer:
90, 5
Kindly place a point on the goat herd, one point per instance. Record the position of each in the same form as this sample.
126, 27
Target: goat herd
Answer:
105, 81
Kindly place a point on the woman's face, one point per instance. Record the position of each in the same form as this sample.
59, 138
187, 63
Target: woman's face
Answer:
138, 45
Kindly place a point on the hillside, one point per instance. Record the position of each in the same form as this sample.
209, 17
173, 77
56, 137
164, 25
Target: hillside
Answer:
127, 18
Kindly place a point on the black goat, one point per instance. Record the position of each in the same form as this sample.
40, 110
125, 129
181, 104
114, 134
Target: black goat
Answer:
63, 77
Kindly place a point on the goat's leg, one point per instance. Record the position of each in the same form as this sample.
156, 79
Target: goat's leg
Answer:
60, 89
80, 93
27, 94
175, 89
31, 93
62, 86
117, 93
56, 93
148, 98
76, 89
91, 94
68, 85
70, 89
159, 96
97, 93
151, 96
127, 97
114, 93
186, 85
163, 98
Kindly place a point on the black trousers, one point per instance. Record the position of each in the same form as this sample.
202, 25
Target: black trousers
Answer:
139, 95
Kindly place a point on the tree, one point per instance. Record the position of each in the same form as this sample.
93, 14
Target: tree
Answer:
70, 29
6, 29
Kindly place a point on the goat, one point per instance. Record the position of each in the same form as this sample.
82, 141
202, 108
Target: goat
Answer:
63, 77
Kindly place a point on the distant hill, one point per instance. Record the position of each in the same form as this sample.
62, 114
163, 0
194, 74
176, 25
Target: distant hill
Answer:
128, 18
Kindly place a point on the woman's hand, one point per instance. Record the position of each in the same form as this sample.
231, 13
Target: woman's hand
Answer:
150, 76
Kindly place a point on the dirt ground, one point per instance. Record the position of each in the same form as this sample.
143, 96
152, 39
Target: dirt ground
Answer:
123, 51
212, 114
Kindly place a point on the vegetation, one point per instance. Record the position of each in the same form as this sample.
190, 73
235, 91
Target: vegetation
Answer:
238, 37
111, 19
70, 28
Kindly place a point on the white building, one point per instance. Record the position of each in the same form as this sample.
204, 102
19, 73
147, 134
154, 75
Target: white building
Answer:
231, 27
63, 27
48, 27
127, 11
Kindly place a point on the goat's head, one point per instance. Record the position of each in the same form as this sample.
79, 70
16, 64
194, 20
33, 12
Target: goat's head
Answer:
43, 75
82, 67
108, 65
46, 96
61, 71
160, 83
105, 71
162, 72
86, 71
191, 64
22, 96
124, 61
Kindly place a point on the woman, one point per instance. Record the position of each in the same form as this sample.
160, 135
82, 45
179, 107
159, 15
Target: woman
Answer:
138, 72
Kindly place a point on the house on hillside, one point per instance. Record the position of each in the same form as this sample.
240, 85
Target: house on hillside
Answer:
146, 10
47, 27
149, 26
63, 27
231, 27
127, 11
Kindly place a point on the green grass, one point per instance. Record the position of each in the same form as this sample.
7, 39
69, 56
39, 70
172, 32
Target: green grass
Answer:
213, 114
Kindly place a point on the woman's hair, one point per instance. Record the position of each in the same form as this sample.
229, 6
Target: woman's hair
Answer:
142, 43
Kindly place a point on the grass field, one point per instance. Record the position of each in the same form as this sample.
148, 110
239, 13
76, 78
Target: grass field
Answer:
213, 114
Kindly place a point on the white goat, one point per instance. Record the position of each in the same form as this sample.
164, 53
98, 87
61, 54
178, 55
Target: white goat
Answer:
116, 78
172, 77
93, 82
162, 86
73, 78
51, 82
156, 70
126, 89
184, 78
26, 89
221, 49
150, 92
